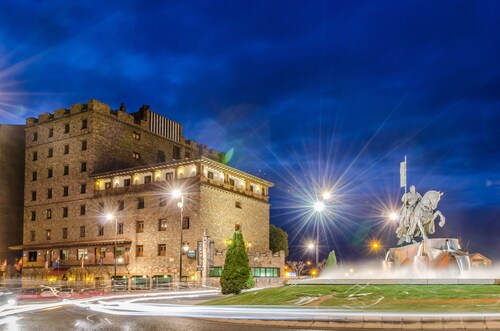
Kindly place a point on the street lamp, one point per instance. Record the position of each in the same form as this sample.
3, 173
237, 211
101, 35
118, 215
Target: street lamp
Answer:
376, 246
393, 216
178, 195
109, 217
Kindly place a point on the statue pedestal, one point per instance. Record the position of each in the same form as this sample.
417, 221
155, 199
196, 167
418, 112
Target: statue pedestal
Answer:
437, 254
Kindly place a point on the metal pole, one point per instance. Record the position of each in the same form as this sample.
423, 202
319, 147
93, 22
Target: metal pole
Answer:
180, 251
116, 235
317, 243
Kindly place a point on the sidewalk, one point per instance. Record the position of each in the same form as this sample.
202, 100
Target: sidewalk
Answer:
374, 323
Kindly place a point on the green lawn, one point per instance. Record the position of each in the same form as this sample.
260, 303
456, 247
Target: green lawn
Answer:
407, 298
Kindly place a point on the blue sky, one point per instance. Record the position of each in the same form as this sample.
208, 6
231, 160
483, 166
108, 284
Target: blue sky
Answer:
308, 94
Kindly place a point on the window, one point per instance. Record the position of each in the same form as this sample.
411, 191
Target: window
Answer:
49, 214
66, 128
49, 193
35, 156
237, 204
107, 185
49, 173
169, 176
49, 234
51, 132
162, 250
34, 176
82, 231
187, 155
83, 188
65, 191
83, 167
176, 153
210, 175
136, 135
32, 235
121, 205
66, 170
35, 136
82, 254
136, 155
237, 227
84, 123
185, 223
65, 254
84, 145
162, 224
65, 212
32, 256
103, 252
100, 230
215, 272
139, 226
231, 181
139, 250
263, 192
65, 233
33, 215
147, 179
66, 149
120, 228
251, 188
140, 203
265, 272
162, 201
126, 182
50, 153
82, 210
33, 195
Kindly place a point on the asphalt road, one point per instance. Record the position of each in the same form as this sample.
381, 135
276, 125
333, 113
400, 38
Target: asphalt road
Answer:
76, 318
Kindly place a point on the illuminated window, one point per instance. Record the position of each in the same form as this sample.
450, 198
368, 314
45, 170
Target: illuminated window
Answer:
162, 224
136, 135
215, 272
265, 272
136, 155
49, 234
65, 254
82, 254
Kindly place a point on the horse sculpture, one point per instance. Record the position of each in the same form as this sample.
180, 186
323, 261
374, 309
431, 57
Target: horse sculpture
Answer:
420, 222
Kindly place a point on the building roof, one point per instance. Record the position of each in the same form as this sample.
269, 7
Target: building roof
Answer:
478, 255
202, 159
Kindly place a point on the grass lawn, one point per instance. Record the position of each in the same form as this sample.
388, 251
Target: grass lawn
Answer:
404, 298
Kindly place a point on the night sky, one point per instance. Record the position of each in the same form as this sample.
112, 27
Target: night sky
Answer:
311, 95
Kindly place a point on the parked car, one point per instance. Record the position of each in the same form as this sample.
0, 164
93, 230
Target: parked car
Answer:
29, 293
48, 292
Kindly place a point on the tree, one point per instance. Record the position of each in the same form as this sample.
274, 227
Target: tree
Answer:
236, 275
278, 239
297, 266
331, 261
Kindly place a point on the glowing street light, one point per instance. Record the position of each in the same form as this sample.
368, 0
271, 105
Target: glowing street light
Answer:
311, 246
326, 195
110, 217
393, 216
319, 206
177, 194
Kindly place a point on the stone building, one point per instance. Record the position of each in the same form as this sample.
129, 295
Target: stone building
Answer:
89, 161
11, 195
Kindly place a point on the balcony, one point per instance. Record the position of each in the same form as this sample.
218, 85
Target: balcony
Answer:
232, 188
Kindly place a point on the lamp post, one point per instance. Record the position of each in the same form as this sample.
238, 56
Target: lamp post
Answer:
178, 195
109, 217
319, 207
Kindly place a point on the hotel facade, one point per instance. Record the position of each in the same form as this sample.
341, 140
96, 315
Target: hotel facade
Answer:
98, 202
